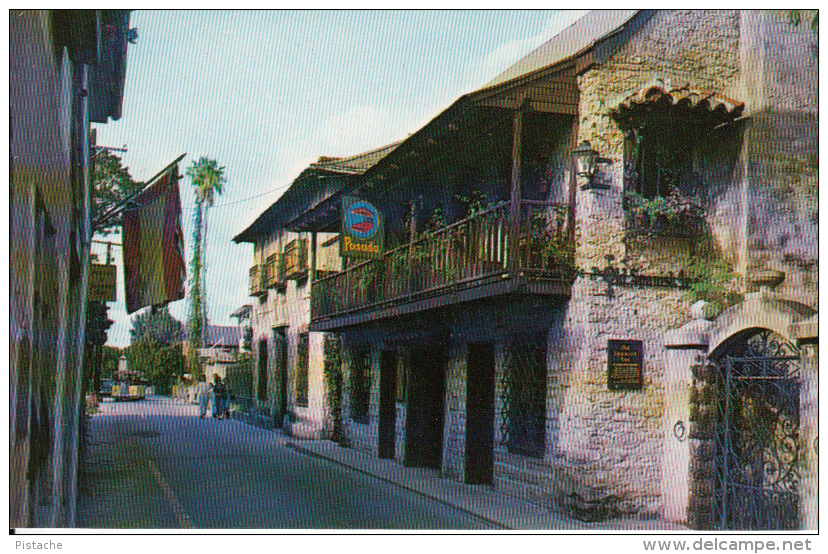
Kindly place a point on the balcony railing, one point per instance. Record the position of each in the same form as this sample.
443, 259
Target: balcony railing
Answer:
467, 254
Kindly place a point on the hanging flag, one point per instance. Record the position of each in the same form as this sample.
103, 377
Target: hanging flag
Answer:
154, 270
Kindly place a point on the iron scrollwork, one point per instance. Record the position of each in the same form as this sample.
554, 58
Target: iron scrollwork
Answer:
757, 437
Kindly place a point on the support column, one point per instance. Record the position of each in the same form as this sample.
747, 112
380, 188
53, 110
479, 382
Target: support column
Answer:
807, 335
686, 349
514, 206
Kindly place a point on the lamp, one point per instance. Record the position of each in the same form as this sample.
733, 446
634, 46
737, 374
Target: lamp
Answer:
586, 162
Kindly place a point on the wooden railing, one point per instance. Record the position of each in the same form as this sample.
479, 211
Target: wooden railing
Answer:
468, 253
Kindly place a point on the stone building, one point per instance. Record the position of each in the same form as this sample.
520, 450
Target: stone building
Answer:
67, 69
288, 381
529, 325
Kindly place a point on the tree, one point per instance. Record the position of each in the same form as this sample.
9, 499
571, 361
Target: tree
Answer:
208, 179
157, 326
795, 18
112, 184
156, 347
162, 365
109, 364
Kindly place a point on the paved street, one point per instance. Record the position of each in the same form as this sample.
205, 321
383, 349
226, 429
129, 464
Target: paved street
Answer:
155, 464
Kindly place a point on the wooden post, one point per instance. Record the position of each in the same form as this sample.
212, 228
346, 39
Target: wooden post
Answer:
514, 207
573, 183
412, 228
313, 257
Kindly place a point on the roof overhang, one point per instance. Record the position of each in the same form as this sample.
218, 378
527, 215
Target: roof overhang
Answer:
705, 106
107, 76
544, 81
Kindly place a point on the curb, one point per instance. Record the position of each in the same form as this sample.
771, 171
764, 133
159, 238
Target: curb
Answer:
308, 452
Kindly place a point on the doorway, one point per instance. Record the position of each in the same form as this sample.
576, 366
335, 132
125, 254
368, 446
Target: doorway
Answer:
480, 391
387, 404
261, 377
424, 412
280, 360
756, 484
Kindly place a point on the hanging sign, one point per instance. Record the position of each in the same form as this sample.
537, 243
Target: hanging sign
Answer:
362, 230
102, 280
624, 364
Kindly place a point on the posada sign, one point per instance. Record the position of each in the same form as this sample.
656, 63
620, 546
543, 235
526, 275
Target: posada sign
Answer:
362, 230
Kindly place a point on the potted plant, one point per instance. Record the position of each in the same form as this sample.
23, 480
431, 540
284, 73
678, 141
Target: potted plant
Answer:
662, 213
638, 208
686, 214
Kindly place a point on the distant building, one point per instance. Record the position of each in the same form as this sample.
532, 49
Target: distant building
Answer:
288, 372
535, 331
243, 319
67, 69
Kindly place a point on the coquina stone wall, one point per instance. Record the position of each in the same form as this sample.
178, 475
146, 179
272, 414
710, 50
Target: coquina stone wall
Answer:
611, 441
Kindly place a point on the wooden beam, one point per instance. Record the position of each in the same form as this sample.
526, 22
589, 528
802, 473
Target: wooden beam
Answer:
545, 107
514, 208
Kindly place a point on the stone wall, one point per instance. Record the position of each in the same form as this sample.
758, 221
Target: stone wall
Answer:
289, 308
610, 442
781, 162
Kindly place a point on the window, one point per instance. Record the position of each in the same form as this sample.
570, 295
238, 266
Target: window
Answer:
302, 362
660, 160
668, 133
360, 385
523, 427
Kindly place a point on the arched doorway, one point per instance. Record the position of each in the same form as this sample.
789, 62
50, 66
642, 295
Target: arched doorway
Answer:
756, 432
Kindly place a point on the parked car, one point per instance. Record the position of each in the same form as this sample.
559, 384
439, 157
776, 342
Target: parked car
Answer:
106, 387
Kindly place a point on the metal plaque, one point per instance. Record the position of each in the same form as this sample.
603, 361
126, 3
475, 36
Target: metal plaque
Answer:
625, 362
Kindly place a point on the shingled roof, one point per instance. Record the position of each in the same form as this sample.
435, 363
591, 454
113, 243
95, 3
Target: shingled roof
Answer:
355, 164
305, 188
585, 33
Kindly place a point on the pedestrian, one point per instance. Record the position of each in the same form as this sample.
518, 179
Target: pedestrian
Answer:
230, 396
219, 396
202, 394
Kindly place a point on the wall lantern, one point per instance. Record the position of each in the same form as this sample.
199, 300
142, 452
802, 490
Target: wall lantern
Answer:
586, 162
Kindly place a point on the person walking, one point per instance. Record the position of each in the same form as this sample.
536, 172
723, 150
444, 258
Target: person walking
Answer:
230, 396
219, 396
202, 393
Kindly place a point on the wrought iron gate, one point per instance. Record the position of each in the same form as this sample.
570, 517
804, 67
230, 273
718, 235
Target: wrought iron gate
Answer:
756, 483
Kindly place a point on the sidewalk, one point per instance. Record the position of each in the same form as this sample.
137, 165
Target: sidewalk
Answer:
479, 500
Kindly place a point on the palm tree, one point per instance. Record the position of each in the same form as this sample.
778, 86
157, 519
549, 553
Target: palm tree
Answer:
208, 179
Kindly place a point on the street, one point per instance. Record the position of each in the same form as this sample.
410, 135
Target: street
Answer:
153, 464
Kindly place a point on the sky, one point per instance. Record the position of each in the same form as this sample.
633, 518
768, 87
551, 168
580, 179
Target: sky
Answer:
266, 93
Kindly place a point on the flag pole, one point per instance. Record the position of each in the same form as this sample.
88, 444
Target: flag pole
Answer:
120, 207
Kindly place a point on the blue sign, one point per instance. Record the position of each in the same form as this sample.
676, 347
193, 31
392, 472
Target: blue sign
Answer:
362, 230
362, 220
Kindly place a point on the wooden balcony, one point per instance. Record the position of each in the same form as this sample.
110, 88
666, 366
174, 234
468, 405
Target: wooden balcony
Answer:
465, 261
257, 287
274, 273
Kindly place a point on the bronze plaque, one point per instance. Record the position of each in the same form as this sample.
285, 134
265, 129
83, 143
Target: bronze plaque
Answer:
102, 279
625, 362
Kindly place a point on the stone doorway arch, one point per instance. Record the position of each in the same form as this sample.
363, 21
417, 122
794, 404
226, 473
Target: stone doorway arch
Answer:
700, 357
